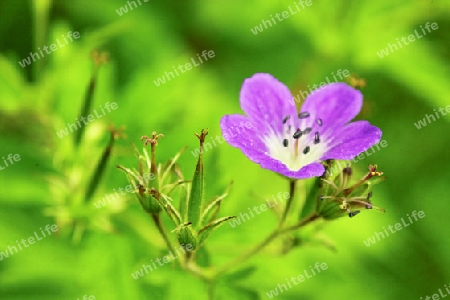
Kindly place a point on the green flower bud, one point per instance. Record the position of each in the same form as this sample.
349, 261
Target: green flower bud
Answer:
148, 200
187, 235
337, 200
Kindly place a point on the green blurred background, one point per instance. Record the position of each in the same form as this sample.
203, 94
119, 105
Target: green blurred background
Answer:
39, 99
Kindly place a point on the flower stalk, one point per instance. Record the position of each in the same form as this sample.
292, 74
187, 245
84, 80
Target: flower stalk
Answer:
296, 144
292, 185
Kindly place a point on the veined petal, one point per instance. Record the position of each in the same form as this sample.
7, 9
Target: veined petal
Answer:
267, 102
240, 132
335, 104
352, 139
294, 143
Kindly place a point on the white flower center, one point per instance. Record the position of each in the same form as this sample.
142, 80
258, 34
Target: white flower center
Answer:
297, 147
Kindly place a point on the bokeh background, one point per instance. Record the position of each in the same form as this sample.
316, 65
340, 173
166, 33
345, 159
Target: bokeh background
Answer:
97, 259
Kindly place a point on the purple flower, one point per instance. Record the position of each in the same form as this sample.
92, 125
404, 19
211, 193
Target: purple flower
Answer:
292, 143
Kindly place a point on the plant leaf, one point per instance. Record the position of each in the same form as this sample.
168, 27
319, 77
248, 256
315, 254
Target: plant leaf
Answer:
206, 231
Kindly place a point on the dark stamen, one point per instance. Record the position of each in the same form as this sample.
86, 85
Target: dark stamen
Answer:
303, 115
285, 142
316, 138
369, 195
353, 213
289, 128
306, 150
307, 130
369, 206
285, 119
297, 134
347, 171
319, 122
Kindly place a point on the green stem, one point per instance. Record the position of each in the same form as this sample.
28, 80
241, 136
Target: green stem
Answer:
276, 233
40, 22
100, 170
308, 219
160, 226
292, 183
89, 95
239, 260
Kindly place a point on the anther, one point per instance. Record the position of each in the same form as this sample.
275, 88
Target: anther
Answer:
319, 122
347, 171
285, 142
353, 213
307, 130
316, 138
306, 150
297, 134
303, 115
369, 195
286, 119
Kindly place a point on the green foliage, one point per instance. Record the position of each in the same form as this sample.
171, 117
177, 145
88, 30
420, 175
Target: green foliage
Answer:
97, 249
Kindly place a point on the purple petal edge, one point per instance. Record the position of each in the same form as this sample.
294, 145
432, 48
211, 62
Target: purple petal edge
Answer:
353, 139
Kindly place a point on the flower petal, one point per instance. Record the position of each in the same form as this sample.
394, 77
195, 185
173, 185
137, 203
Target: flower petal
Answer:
308, 171
266, 101
240, 132
352, 139
335, 104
